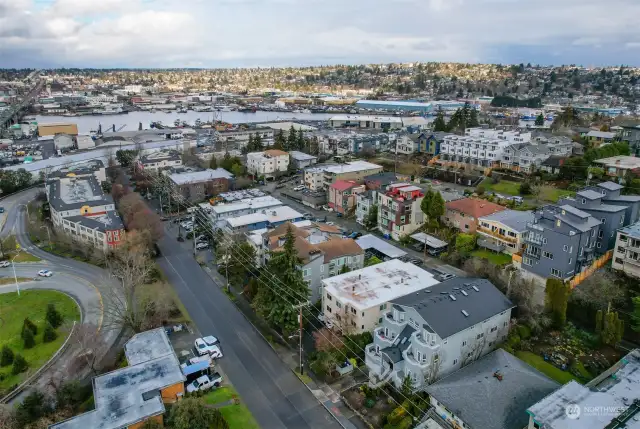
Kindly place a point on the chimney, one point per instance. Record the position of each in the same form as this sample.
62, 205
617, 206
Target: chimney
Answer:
401, 279
359, 276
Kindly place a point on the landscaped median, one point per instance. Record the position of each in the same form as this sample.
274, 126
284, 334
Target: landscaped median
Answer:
32, 305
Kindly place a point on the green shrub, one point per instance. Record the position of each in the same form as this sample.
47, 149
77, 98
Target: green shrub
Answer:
19, 364
49, 334
28, 339
395, 416
53, 316
524, 332
405, 423
28, 324
514, 341
6, 356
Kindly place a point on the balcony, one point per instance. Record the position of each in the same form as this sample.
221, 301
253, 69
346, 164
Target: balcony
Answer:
411, 359
535, 226
497, 235
419, 341
533, 240
379, 335
389, 318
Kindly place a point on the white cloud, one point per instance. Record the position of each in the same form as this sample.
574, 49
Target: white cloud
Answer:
275, 32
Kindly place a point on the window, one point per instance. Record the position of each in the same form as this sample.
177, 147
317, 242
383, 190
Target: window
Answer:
338, 304
338, 317
329, 297
556, 273
600, 234
464, 343
527, 261
584, 201
599, 245
322, 268
306, 273
466, 226
570, 260
455, 361
495, 328
547, 255
479, 336
565, 248
328, 309
380, 320
619, 261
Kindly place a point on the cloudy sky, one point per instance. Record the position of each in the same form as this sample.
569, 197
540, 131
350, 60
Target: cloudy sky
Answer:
226, 33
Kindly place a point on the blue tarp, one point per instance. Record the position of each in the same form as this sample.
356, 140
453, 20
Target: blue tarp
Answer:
191, 369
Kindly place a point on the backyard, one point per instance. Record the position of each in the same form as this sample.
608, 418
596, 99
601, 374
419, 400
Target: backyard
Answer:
32, 304
547, 193
235, 413
493, 257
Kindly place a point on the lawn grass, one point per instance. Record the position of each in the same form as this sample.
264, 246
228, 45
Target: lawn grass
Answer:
237, 416
25, 257
222, 394
32, 304
12, 280
546, 368
493, 257
551, 194
502, 187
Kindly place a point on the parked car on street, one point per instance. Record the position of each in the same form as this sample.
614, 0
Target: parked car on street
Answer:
206, 347
5, 264
202, 246
204, 383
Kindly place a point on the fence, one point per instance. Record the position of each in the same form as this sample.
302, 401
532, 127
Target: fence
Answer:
597, 264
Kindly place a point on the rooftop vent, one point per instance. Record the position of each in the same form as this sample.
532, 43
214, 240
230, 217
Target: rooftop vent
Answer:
465, 313
464, 292
443, 293
475, 288
453, 298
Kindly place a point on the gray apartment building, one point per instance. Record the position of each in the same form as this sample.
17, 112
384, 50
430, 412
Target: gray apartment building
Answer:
560, 242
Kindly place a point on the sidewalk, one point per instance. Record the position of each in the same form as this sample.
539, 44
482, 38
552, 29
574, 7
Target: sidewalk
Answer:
325, 394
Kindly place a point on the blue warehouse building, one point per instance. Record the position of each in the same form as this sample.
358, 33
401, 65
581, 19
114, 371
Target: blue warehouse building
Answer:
409, 106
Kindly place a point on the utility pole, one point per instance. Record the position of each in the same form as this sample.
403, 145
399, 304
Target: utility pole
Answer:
299, 307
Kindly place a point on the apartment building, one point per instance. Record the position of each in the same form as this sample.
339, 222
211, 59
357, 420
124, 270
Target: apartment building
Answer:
129, 396
218, 213
197, 185
611, 195
356, 301
464, 214
524, 157
267, 218
492, 393
242, 136
364, 202
322, 250
504, 231
399, 211
342, 195
428, 143
432, 332
365, 121
626, 254
560, 242
619, 166
609, 401
81, 210
480, 147
268, 163
160, 160
321, 177
302, 160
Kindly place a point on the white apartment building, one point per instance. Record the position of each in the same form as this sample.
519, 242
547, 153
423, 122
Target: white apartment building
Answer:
319, 178
267, 163
160, 160
430, 333
218, 213
497, 134
504, 231
355, 301
364, 202
626, 253
479, 146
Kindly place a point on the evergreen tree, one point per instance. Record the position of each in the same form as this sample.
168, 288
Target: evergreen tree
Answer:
6, 356
300, 144
19, 364
49, 334
473, 118
27, 324
539, 120
53, 316
439, 124
291, 139
371, 220
249, 147
556, 297
28, 339
280, 141
426, 202
599, 316
193, 413
436, 206
281, 286
213, 163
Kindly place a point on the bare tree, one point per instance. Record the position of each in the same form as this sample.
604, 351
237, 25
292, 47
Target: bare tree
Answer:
599, 291
91, 348
474, 351
430, 375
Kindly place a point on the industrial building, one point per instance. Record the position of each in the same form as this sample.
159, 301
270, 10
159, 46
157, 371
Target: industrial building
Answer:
57, 128
409, 106
366, 121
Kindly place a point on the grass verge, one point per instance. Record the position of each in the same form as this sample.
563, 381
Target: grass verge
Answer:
546, 368
25, 257
12, 280
237, 416
493, 257
32, 304
220, 395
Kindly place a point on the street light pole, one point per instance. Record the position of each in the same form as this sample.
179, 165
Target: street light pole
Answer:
15, 276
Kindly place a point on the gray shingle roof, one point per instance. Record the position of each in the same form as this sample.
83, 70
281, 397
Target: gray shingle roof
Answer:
611, 186
514, 219
590, 195
445, 316
480, 400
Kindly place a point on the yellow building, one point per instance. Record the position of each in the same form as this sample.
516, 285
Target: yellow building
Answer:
127, 397
57, 128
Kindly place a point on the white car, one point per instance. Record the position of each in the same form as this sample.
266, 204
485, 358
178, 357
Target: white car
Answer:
208, 345
331, 223
45, 273
5, 264
205, 382
201, 246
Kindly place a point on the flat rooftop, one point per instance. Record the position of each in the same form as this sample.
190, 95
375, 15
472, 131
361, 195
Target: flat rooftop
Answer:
132, 394
632, 230
351, 167
200, 176
270, 215
69, 193
599, 403
301, 156
370, 118
622, 161
246, 204
372, 286
370, 241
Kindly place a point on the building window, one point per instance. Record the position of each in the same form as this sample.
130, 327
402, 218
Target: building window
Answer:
570, 261
328, 309
599, 245
619, 261
556, 273
527, 261
603, 220
464, 343
338, 304
584, 201
480, 336
547, 255
495, 328
565, 247
600, 234
329, 297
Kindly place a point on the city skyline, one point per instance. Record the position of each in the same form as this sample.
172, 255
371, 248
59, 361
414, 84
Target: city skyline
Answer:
247, 33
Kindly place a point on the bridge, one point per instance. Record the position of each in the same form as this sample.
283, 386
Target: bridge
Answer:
12, 114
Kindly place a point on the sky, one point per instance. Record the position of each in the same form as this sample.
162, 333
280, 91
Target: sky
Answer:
248, 33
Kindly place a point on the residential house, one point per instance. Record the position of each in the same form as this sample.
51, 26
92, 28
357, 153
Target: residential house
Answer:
129, 396
380, 180
266, 218
407, 144
560, 242
619, 166
159, 160
429, 143
81, 210
399, 211
598, 138
197, 185
269, 163
465, 214
356, 301
322, 250
429, 333
302, 160
342, 195
504, 231
552, 164
612, 195
217, 214
493, 392
631, 134
364, 203
524, 157
608, 401
362, 143
320, 178
479, 146
626, 254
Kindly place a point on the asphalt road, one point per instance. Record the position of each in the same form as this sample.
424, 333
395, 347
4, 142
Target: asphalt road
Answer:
273, 394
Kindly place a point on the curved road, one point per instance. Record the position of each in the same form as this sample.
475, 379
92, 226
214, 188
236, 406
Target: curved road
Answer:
81, 281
